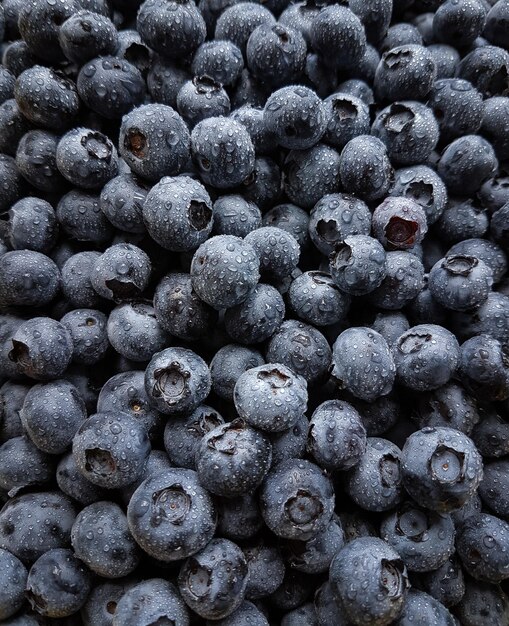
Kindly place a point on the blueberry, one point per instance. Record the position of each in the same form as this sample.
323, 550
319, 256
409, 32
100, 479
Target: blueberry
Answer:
484, 368
164, 80
7, 83
490, 436
224, 269
58, 584
239, 518
328, 610
276, 54
80, 218
365, 169
14, 576
484, 602
498, 226
132, 49
32, 225
338, 35
300, 15
441, 468
76, 283
308, 175
236, 24
235, 215
171, 516
182, 437
23, 465
296, 116
358, 264
12, 397
291, 218
183, 223
305, 614
487, 68
36, 162
493, 488
177, 380
221, 60
148, 602
266, 570
297, 500
121, 273
148, 152
293, 591
86, 35
463, 219
291, 443
263, 185
370, 580
222, 151
399, 223
102, 601
122, 200
51, 415
495, 29
403, 281
405, 72
458, 107
459, 23
27, 278
420, 606
400, 34
88, 331
315, 298
446, 584
494, 125
485, 250
228, 364
374, 483
73, 484
264, 140
33, 523
200, 98
110, 449
349, 118
13, 125
246, 615
446, 59
17, 57
277, 250
101, 539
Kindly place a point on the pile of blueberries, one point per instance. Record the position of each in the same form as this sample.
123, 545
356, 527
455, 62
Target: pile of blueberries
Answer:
254, 313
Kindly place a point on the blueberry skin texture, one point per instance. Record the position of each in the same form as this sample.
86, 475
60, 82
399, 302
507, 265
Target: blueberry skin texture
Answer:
46, 99
270, 397
239, 518
296, 116
86, 158
32, 225
363, 364
164, 80
149, 152
221, 60
403, 282
291, 443
86, 35
404, 73
458, 107
233, 459
276, 54
121, 201
222, 152
495, 30
311, 174
171, 516
297, 500
236, 24
441, 468
486, 68
177, 380
41, 348
336, 437
111, 552
338, 35
235, 215
179, 310
246, 615
111, 449
304, 614
80, 217
87, 328
252, 118
459, 23
121, 272
423, 539
227, 365
485, 602
36, 162
174, 30
483, 368
349, 118
466, 164
460, 282
493, 193
316, 299
151, 601
291, 218
495, 127
257, 318
277, 250
498, 226
422, 608
491, 437
110, 86
33, 523
493, 488
400, 34
446, 584
426, 357
377, 573
224, 269
143, 337
485, 250
12, 397
58, 584
463, 219
266, 570
76, 284
200, 98
23, 465
13, 176
223, 568
358, 264
482, 547
365, 169
101, 600
27, 278
178, 213
302, 348
7, 82
399, 223
13, 125
73, 484
409, 130
14, 576
335, 217
263, 185
51, 415
182, 438
375, 482
328, 610
299, 16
